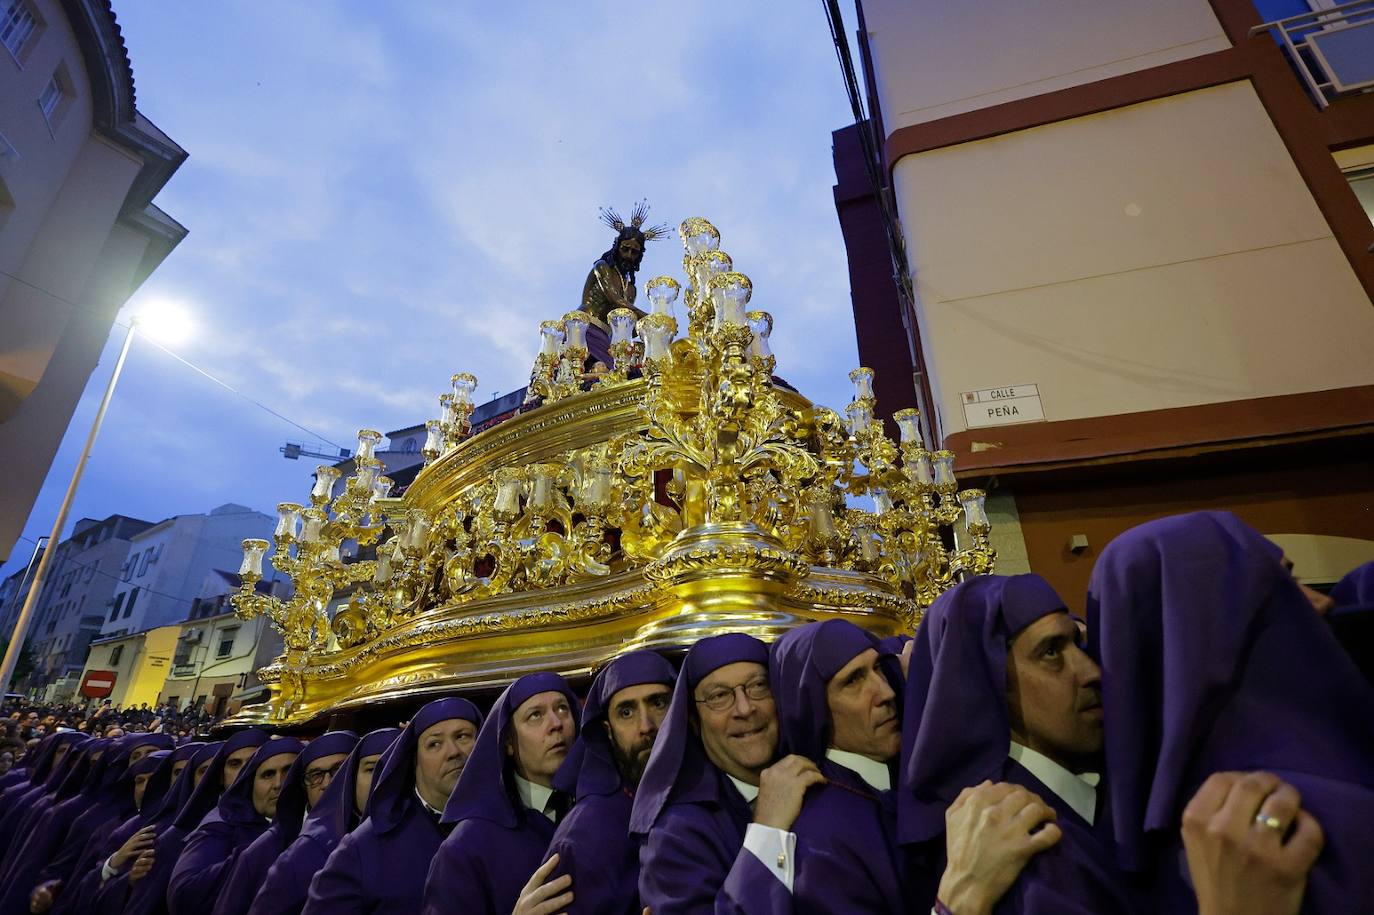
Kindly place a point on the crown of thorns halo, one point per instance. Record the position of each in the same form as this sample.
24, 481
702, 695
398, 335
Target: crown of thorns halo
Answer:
637, 216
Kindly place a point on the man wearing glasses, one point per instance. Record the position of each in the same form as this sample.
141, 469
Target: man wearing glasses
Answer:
304, 785
713, 805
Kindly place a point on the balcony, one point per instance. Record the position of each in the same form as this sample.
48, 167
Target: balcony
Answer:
183, 670
1332, 49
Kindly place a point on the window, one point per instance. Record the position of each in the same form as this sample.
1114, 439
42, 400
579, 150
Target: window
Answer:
116, 604
17, 24
143, 566
411, 446
129, 607
226, 642
50, 98
1362, 183
116, 653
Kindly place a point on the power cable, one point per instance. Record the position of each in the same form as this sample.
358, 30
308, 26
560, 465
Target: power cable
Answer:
184, 361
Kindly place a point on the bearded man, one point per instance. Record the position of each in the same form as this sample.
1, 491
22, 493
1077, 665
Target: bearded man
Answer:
625, 708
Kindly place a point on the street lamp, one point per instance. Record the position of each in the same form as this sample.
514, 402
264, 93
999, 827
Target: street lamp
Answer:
21, 628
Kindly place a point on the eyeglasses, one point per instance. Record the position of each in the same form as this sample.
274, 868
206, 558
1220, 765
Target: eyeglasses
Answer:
314, 777
722, 697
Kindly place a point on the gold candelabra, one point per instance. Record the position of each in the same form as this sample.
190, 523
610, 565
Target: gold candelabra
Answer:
680, 493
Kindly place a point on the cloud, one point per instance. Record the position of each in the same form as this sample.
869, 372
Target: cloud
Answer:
379, 196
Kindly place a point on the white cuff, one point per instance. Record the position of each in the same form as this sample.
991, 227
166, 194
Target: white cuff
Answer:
106, 872
775, 848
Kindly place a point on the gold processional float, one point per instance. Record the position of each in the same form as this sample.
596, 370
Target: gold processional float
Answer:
680, 494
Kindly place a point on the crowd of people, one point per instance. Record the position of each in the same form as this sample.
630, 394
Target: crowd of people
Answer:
1201, 742
24, 723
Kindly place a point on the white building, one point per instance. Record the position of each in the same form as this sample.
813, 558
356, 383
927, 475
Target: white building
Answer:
217, 654
169, 562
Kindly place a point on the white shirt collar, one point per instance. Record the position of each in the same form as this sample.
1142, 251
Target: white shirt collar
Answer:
535, 797
875, 774
1079, 791
424, 803
750, 792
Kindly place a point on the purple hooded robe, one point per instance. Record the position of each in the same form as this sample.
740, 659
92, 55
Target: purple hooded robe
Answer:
212, 850
1352, 619
29, 772
593, 841
25, 807
846, 826
102, 806
78, 892
238, 889
111, 894
690, 816
49, 819
287, 883
1213, 660
495, 843
1356, 587
243, 881
149, 895
956, 734
381, 866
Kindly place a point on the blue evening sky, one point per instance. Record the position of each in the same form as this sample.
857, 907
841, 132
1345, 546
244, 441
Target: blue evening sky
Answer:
382, 194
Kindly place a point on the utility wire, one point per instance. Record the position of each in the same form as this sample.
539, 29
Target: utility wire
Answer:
231, 389
116, 576
228, 387
869, 140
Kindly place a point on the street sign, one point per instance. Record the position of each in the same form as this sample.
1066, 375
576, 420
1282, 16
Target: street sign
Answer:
1006, 406
97, 684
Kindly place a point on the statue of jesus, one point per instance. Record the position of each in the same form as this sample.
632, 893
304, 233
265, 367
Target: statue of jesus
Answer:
611, 282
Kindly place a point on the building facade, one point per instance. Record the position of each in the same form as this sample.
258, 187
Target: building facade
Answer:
14, 590
129, 670
168, 563
218, 654
84, 573
1139, 264
79, 233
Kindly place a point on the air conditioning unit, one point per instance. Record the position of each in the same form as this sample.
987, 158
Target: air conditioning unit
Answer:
191, 636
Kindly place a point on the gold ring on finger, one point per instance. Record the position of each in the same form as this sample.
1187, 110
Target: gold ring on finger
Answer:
1272, 822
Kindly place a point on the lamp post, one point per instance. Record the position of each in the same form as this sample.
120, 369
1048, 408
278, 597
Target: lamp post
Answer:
21, 628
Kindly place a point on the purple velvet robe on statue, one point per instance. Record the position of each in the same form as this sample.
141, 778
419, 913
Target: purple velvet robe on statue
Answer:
495, 843
1213, 660
213, 848
690, 816
250, 867
149, 895
78, 891
593, 841
846, 826
381, 866
287, 883
956, 734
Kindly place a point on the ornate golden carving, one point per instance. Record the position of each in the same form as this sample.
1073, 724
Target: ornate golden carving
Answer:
679, 494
